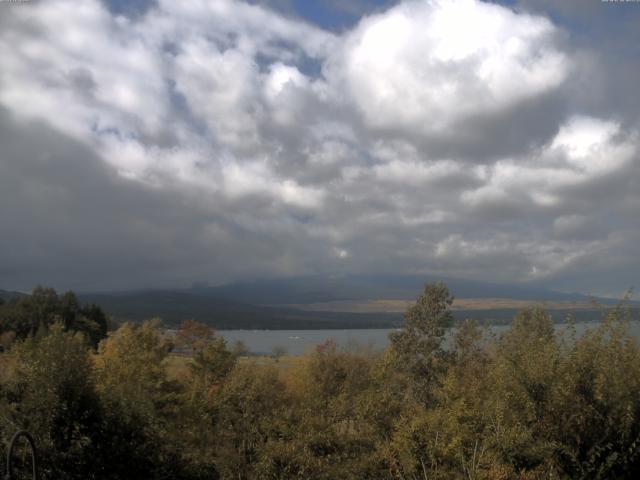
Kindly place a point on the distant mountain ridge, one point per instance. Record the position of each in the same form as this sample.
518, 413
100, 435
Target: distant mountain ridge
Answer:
278, 304
317, 288
8, 294
173, 306
299, 302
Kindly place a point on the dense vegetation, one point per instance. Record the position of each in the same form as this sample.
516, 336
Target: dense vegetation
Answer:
530, 404
25, 315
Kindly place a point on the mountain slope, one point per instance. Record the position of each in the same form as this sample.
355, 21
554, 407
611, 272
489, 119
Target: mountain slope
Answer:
285, 303
173, 306
314, 289
8, 295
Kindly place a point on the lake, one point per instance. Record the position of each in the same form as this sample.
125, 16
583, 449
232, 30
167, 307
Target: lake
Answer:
297, 342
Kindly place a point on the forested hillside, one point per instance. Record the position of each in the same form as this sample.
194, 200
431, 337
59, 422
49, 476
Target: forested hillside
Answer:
530, 404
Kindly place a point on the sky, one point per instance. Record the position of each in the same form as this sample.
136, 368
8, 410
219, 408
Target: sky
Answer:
157, 143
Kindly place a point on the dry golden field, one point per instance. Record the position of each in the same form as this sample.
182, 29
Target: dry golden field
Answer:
392, 306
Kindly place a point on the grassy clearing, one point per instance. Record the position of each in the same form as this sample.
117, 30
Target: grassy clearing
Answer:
400, 306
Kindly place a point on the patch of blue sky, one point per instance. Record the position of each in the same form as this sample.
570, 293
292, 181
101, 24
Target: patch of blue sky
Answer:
130, 8
338, 15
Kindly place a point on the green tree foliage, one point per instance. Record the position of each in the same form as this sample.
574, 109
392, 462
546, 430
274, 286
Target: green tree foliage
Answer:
250, 409
50, 392
418, 347
327, 433
212, 364
599, 381
211, 360
141, 404
27, 315
209, 366
131, 372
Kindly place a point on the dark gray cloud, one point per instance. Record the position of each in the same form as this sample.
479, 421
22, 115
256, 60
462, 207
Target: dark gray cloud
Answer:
606, 37
193, 142
70, 220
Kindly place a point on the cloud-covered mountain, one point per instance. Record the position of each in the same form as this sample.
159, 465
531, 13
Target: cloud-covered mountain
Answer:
306, 302
318, 288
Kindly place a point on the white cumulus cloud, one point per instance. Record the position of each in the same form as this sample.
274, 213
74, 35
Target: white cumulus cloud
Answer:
427, 65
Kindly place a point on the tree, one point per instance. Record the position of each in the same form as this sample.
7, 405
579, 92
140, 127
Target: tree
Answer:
250, 408
142, 407
417, 348
131, 371
93, 322
594, 416
212, 363
194, 336
329, 433
27, 315
52, 395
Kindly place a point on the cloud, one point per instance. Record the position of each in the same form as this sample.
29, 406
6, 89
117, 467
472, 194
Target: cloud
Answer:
429, 65
584, 150
74, 222
218, 140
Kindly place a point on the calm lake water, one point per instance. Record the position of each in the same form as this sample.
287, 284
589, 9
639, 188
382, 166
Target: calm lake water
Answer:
297, 342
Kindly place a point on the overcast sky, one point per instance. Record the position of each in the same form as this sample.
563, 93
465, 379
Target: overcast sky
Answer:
159, 143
